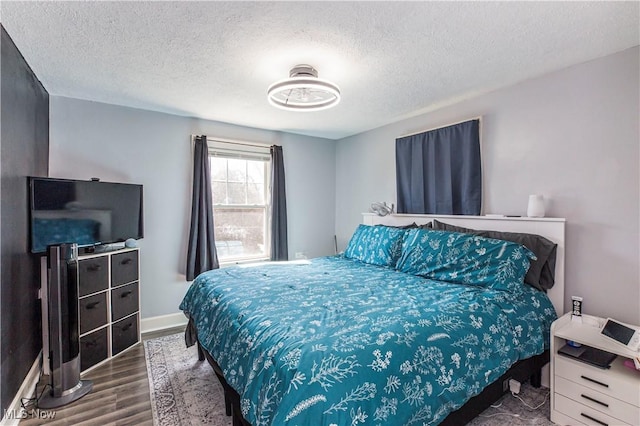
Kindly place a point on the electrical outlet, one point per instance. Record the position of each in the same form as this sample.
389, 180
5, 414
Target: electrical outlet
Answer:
505, 384
301, 255
514, 386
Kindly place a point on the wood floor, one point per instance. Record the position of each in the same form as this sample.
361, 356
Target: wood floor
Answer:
120, 394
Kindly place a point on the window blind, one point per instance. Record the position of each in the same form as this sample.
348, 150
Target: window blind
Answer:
239, 150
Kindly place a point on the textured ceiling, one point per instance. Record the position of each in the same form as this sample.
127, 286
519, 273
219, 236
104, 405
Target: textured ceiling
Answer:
392, 60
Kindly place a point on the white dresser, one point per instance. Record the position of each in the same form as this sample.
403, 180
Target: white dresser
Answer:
584, 394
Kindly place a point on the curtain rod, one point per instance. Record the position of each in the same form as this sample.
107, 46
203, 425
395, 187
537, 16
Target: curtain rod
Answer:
231, 141
440, 127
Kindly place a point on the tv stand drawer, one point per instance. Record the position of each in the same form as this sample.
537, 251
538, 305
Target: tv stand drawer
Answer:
93, 312
94, 348
93, 275
124, 268
124, 301
124, 334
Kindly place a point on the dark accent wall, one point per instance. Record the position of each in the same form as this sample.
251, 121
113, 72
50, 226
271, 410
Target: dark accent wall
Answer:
24, 151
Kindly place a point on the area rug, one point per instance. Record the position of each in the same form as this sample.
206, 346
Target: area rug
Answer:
530, 407
185, 391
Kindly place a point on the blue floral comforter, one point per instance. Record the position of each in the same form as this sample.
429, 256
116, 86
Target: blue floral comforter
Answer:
335, 341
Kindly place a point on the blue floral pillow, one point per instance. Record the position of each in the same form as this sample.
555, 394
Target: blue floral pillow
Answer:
377, 245
464, 258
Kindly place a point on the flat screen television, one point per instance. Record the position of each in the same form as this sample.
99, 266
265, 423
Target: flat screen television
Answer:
88, 213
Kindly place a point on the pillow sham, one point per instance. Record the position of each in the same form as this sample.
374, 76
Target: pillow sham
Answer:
541, 273
377, 245
464, 258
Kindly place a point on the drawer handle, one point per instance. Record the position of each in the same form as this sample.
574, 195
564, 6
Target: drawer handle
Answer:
95, 267
125, 293
593, 419
91, 344
595, 381
93, 305
126, 327
126, 261
604, 404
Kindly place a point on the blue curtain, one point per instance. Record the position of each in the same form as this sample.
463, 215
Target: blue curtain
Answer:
279, 246
439, 171
201, 253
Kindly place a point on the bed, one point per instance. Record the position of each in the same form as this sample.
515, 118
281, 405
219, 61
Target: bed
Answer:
371, 336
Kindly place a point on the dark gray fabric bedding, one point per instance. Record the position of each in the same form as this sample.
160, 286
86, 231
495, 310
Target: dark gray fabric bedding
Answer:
541, 274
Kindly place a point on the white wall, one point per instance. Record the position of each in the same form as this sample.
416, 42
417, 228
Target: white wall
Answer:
572, 136
114, 143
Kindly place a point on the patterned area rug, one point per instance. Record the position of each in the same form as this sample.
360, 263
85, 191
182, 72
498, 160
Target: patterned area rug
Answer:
185, 391
513, 411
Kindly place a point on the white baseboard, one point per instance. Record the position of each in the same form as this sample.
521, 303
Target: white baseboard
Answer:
162, 322
15, 412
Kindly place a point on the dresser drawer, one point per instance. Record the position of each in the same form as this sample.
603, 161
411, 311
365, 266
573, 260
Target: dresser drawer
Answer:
93, 275
598, 401
124, 268
124, 334
584, 414
93, 312
611, 382
93, 348
124, 301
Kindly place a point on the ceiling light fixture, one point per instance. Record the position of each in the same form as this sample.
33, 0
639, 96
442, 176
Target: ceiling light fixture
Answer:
303, 91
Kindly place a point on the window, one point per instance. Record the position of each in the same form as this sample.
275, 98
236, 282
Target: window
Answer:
439, 171
240, 184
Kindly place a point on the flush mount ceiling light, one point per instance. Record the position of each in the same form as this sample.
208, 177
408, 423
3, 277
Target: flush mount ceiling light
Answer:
303, 91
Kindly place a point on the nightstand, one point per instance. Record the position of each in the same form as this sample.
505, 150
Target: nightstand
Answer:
585, 394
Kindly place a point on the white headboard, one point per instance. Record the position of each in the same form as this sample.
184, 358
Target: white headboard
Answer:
551, 228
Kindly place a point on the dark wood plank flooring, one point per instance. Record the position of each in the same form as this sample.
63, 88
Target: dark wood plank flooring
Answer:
120, 394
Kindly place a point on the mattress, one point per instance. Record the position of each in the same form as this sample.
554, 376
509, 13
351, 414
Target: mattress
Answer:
333, 341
